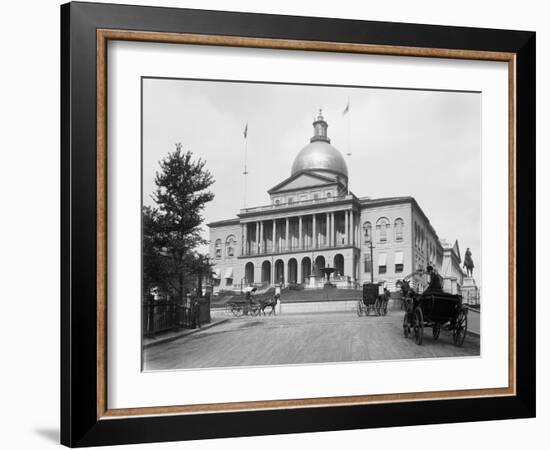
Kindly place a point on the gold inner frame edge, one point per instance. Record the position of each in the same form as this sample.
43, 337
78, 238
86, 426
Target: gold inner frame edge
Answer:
103, 36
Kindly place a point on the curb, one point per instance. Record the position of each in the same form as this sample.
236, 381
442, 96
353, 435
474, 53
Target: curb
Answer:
184, 334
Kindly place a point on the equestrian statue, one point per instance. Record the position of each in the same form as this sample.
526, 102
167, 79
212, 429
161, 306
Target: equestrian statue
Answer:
468, 263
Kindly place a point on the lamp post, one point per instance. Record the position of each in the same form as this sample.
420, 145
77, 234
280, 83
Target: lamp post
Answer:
371, 262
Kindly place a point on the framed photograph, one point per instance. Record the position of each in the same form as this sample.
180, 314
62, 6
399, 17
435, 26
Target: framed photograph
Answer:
277, 224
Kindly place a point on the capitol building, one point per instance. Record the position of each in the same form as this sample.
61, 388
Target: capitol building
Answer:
314, 221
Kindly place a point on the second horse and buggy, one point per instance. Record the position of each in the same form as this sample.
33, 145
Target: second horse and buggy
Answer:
253, 306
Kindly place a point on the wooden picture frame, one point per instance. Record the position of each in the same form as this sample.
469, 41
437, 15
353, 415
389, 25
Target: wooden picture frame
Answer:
85, 416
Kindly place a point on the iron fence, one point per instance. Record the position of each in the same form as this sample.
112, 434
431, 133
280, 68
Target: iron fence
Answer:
166, 315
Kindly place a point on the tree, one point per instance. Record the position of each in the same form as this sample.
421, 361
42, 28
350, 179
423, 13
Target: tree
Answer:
171, 230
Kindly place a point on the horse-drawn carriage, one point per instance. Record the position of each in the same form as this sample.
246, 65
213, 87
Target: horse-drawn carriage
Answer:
435, 309
373, 300
250, 306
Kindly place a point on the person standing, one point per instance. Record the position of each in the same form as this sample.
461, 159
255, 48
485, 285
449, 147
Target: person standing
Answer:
197, 313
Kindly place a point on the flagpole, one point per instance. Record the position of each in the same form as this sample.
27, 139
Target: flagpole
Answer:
245, 173
348, 154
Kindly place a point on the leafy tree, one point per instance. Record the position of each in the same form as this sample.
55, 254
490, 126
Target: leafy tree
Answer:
171, 230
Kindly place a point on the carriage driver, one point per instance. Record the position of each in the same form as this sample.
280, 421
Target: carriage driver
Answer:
435, 280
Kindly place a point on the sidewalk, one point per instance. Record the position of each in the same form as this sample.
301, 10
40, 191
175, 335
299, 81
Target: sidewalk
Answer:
168, 336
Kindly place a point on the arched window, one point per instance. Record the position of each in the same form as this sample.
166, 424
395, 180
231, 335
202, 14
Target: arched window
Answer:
382, 227
398, 228
230, 244
218, 248
367, 231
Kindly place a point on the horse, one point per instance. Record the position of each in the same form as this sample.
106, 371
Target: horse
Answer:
269, 302
409, 295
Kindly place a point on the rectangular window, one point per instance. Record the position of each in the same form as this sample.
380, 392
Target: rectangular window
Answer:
398, 268
381, 269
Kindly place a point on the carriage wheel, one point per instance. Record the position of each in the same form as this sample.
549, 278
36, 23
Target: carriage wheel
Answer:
359, 308
460, 329
236, 310
406, 326
435, 331
418, 326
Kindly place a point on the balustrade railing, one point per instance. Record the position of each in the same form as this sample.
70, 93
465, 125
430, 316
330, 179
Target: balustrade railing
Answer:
267, 250
316, 201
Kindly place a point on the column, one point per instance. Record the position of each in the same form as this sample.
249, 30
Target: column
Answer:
262, 248
273, 237
314, 232
245, 239
327, 230
346, 228
256, 238
332, 233
352, 227
300, 237
287, 233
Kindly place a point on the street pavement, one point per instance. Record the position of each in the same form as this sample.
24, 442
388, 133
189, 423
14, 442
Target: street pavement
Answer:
302, 339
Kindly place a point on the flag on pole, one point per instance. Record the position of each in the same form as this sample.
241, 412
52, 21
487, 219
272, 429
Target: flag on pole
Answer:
245, 132
346, 110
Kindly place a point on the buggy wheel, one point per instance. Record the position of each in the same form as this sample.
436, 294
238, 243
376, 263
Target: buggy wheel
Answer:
236, 310
406, 326
418, 326
460, 328
435, 331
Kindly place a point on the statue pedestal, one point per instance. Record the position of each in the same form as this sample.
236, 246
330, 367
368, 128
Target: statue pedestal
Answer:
470, 291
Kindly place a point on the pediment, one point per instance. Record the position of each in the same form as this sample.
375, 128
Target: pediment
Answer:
302, 181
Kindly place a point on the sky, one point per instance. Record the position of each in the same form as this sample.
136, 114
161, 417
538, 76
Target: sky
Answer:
425, 144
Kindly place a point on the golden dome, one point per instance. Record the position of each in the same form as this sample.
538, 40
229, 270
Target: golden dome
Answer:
319, 154
322, 156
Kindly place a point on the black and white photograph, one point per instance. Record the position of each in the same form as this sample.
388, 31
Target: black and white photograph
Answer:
288, 224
